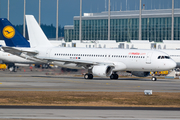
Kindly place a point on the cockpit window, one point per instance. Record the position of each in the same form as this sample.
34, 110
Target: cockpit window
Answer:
167, 57
163, 57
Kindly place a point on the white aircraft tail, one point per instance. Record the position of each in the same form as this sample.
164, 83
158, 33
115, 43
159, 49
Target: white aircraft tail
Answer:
36, 35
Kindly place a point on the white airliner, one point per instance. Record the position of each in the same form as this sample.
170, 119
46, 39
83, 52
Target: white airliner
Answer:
99, 62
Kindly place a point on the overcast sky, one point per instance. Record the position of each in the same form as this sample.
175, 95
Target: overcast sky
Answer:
70, 8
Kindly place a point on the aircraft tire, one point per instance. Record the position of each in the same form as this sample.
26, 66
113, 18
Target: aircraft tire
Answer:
114, 76
90, 76
153, 78
86, 76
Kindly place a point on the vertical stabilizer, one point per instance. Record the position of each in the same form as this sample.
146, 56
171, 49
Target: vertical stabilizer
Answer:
36, 35
11, 36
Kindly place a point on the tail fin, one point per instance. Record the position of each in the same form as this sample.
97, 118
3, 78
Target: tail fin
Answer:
11, 36
36, 35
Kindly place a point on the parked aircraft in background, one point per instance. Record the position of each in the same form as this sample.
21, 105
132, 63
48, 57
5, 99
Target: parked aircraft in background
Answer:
17, 40
100, 62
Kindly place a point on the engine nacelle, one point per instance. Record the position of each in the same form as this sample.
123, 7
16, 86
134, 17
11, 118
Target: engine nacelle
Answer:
140, 73
102, 70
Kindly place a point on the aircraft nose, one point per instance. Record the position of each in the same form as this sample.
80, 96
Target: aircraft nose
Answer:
172, 64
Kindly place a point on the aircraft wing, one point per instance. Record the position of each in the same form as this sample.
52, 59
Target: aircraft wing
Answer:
32, 55
19, 51
76, 61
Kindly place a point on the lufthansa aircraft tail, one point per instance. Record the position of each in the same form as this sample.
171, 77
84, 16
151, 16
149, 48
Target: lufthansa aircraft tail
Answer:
11, 36
36, 35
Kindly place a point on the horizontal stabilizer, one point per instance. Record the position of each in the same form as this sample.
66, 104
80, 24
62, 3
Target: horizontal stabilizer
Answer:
18, 51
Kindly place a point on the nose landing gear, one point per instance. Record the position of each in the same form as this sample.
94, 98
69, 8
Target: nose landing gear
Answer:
153, 78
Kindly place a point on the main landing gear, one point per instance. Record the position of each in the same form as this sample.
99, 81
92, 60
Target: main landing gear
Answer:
114, 76
88, 76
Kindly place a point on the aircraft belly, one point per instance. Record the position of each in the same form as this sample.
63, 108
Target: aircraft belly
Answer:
136, 65
67, 65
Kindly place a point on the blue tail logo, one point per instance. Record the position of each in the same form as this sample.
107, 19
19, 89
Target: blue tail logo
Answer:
11, 36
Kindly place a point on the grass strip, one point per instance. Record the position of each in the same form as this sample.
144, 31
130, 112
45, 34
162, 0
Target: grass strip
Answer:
64, 98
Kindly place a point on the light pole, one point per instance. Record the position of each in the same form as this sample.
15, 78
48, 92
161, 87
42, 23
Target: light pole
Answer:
57, 21
39, 12
109, 9
172, 27
8, 11
24, 34
140, 20
80, 21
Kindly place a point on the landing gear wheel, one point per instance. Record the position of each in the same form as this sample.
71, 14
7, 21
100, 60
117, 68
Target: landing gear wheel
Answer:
153, 78
114, 76
88, 76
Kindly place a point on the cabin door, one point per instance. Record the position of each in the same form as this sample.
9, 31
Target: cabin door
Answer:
48, 52
148, 58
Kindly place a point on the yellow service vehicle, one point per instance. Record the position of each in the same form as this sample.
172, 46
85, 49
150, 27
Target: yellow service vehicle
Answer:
160, 73
3, 66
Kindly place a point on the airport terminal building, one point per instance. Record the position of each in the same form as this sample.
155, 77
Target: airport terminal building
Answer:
156, 26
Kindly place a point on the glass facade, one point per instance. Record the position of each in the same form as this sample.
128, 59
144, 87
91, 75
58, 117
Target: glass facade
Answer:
153, 29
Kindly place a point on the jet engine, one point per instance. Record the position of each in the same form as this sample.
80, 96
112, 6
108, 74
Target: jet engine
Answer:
102, 70
140, 73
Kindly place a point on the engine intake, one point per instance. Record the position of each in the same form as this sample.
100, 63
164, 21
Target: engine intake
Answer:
102, 71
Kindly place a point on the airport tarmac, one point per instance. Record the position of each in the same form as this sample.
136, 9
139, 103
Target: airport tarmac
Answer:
85, 113
39, 81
